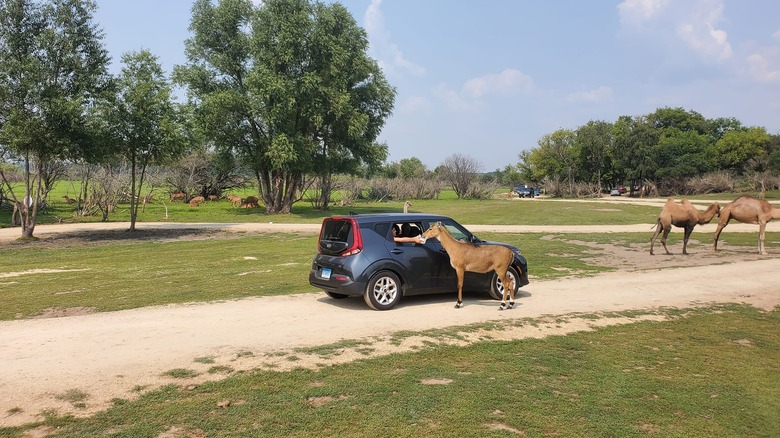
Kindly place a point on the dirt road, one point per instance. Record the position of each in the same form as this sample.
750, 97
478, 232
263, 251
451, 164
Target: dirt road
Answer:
121, 354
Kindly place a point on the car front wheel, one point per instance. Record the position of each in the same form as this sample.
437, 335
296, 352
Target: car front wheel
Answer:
497, 288
383, 291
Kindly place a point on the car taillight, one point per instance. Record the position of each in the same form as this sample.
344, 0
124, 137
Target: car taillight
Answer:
357, 240
351, 252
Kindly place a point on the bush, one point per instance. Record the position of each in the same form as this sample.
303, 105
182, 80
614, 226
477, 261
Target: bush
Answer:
716, 182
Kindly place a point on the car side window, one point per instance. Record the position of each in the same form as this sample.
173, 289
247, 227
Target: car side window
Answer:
457, 232
383, 229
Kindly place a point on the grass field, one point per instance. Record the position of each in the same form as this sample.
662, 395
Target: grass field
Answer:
116, 271
709, 372
499, 210
642, 379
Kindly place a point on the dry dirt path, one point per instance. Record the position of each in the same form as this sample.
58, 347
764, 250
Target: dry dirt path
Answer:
7, 234
113, 355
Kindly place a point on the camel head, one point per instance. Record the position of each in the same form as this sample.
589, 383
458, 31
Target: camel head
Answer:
711, 212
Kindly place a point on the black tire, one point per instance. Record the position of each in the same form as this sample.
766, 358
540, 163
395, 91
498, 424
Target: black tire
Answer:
383, 291
336, 296
497, 289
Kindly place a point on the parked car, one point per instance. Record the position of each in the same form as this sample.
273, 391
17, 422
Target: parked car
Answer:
614, 192
525, 191
357, 256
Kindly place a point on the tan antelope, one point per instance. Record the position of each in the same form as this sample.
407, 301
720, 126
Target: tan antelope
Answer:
466, 256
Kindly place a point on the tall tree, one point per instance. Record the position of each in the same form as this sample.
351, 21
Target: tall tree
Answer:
737, 149
141, 120
683, 154
461, 172
288, 86
595, 140
52, 66
635, 148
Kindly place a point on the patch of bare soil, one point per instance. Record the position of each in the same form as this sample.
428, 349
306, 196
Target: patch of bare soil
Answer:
112, 237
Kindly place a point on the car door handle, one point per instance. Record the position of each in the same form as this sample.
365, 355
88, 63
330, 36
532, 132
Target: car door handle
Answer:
396, 251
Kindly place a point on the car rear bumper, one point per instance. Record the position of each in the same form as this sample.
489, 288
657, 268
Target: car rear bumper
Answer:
337, 283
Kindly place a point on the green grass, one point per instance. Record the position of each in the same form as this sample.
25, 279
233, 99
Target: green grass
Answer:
115, 274
689, 377
494, 211
648, 378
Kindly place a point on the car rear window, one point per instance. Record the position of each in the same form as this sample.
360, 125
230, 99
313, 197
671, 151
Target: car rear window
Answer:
336, 236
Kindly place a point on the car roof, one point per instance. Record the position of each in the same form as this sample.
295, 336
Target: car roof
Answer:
391, 217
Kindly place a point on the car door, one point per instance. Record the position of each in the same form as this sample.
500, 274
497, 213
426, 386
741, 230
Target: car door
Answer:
443, 276
419, 263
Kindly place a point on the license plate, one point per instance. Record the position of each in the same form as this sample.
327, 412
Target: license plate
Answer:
326, 273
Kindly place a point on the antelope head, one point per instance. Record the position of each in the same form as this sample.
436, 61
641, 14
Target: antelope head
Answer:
433, 231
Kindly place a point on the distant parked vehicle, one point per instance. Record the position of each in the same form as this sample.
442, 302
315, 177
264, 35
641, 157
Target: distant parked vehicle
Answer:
526, 192
614, 192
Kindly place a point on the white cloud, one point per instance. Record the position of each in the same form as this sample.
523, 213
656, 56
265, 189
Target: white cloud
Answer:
508, 81
450, 98
701, 34
637, 12
761, 69
694, 23
597, 95
388, 54
415, 104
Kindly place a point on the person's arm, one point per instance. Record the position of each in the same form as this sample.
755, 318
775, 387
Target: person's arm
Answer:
417, 239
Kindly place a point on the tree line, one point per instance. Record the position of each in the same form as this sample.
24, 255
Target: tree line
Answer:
283, 91
663, 150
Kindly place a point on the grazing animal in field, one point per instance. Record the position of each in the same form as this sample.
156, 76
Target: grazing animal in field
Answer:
465, 256
69, 200
748, 210
197, 201
213, 198
683, 215
235, 200
250, 202
179, 196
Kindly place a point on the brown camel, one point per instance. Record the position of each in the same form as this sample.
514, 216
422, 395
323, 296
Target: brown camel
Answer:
683, 215
748, 210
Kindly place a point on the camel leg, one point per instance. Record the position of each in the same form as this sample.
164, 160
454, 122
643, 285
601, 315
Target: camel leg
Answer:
663, 239
688, 231
655, 235
761, 235
722, 222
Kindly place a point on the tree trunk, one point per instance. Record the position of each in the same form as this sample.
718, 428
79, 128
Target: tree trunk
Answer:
133, 210
326, 188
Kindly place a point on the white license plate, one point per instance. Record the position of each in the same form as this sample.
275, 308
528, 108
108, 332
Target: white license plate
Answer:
326, 273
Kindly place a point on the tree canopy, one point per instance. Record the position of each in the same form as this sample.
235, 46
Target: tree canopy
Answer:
289, 88
670, 144
52, 66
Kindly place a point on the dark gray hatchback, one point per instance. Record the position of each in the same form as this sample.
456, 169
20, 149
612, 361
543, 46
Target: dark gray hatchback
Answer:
357, 256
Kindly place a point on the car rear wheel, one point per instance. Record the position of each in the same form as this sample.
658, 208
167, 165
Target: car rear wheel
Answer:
497, 288
383, 291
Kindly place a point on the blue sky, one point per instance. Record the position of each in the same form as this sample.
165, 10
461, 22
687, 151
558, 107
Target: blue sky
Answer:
488, 79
